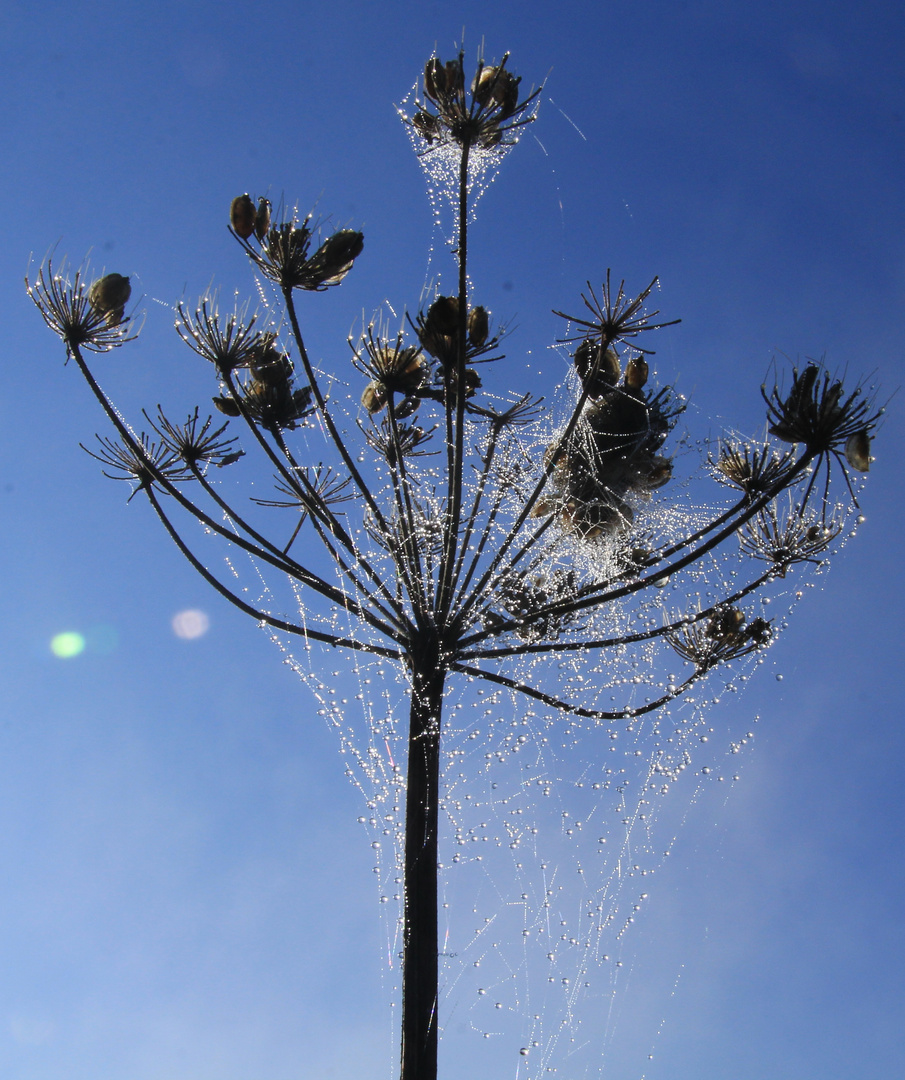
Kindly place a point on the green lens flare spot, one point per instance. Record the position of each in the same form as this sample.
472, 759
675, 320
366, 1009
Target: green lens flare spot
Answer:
67, 644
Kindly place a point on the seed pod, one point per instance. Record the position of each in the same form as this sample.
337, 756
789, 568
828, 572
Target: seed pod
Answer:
443, 316
483, 85
440, 346
342, 247
227, 406
543, 507
271, 366
110, 294
478, 326
262, 218
242, 216
725, 623
505, 93
333, 259
455, 77
598, 373
406, 407
857, 450
758, 631
374, 397
636, 373
426, 125
658, 472
434, 78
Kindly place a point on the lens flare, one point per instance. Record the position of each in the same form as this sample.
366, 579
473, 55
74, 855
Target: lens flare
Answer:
67, 644
190, 624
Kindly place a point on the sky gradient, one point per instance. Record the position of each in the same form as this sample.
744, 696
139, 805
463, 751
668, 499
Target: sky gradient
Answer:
186, 893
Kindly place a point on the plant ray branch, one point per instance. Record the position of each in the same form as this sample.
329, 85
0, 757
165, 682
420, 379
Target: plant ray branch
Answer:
338, 441
593, 598
489, 454
280, 562
316, 506
622, 639
628, 713
408, 564
263, 616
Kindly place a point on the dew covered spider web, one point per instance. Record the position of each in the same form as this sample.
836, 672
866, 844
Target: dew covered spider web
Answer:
555, 828
439, 163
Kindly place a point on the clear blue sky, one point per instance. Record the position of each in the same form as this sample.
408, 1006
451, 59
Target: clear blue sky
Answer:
185, 893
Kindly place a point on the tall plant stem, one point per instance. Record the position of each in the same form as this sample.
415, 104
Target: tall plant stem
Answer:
454, 513
420, 940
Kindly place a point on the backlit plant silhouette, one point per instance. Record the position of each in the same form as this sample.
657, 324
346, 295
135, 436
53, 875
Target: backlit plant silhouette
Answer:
455, 532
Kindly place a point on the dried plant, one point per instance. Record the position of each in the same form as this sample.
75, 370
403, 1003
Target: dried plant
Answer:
454, 534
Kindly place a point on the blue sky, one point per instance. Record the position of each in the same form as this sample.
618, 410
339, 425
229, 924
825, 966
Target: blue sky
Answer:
186, 892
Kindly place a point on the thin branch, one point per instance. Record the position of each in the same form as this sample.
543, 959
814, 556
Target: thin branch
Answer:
624, 639
569, 707
263, 616
445, 584
281, 562
337, 439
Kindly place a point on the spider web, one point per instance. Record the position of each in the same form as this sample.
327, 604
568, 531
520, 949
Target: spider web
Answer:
554, 828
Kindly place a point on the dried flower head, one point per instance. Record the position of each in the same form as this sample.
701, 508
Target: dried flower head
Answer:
272, 404
724, 636
784, 539
392, 367
486, 117
612, 453
817, 413
395, 442
438, 331
752, 471
309, 488
228, 344
196, 445
140, 461
526, 410
615, 320
84, 317
283, 254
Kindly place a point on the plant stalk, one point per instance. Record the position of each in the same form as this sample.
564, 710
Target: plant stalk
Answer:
420, 939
